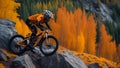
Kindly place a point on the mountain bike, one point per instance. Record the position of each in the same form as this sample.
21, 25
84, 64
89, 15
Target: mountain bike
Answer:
48, 44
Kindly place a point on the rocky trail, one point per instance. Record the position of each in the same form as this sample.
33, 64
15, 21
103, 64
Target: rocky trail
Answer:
64, 58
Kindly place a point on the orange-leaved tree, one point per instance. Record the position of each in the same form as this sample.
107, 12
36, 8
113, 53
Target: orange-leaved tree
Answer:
106, 46
90, 35
80, 22
8, 11
75, 31
66, 26
118, 54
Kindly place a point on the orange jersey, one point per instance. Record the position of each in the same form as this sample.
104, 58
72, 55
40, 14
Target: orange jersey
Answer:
36, 17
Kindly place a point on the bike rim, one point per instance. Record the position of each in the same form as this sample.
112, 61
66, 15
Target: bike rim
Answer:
49, 45
17, 48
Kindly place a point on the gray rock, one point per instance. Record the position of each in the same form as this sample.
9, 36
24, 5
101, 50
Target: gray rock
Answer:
3, 56
63, 60
95, 65
6, 32
99, 10
73, 60
105, 13
23, 62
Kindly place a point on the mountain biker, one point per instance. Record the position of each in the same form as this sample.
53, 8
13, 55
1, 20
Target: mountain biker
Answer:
39, 21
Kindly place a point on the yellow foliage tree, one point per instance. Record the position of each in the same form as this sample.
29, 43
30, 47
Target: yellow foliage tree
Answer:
90, 35
45, 6
8, 11
106, 46
2, 66
73, 28
80, 20
118, 54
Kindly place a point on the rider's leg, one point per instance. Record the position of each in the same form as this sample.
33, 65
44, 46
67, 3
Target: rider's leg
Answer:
28, 23
34, 32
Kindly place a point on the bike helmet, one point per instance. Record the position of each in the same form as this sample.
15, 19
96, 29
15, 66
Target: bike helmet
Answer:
47, 14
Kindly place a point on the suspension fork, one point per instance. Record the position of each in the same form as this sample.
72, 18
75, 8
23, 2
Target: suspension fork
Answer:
46, 36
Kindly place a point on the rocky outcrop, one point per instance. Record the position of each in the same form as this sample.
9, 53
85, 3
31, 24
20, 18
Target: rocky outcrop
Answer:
95, 65
3, 56
100, 10
23, 62
35, 60
74, 61
6, 31
62, 60
59, 60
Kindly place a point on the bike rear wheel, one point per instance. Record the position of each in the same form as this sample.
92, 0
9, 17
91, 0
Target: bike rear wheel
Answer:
48, 46
14, 47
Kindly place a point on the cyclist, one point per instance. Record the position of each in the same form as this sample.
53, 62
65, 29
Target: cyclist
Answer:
38, 20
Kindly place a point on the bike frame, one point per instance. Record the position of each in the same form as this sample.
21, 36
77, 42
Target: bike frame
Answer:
40, 36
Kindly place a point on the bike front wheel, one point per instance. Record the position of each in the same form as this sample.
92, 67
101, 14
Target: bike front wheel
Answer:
48, 46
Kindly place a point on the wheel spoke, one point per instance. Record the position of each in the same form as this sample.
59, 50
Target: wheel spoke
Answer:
49, 45
14, 44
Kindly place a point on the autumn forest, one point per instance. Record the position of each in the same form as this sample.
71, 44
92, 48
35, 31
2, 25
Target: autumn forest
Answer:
75, 28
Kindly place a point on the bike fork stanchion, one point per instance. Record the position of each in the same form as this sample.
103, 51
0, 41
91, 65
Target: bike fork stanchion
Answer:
46, 36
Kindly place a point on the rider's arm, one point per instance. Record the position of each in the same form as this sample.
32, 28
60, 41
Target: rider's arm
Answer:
43, 27
40, 17
48, 26
33, 17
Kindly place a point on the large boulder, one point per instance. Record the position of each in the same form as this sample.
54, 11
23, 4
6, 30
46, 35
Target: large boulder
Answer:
23, 62
94, 65
62, 60
3, 56
6, 32
58, 60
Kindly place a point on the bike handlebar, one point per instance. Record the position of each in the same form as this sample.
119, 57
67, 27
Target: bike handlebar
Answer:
43, 28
